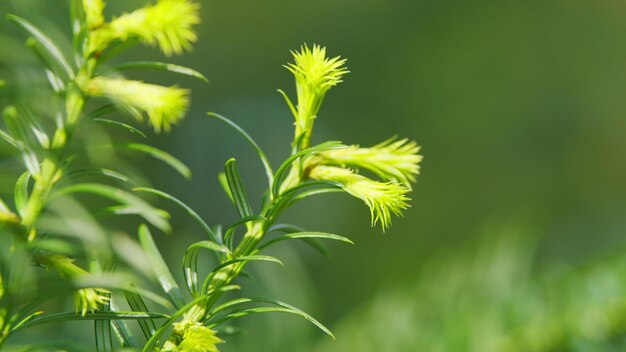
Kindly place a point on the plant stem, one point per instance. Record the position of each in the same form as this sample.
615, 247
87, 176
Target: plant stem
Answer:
41, 189
51, 171
247, 246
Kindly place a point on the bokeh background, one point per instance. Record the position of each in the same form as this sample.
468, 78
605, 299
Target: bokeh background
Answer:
516, 232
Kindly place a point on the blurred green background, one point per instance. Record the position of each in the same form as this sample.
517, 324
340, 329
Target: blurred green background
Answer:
519, 108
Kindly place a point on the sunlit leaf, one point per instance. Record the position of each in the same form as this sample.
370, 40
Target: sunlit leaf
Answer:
77, 19
221, 177
236, 189
31, 123
96, 172
97, 315
123, 333
21, 193
54, 245
101, 111
163, 156
102, 327
243, 259
266, 164
154, 216
190, 262
121, 125
334, 188
136, 303
306, 235
121, 282
292, 108
185, 207
161, 270
54, 72
45, 347
7, 138
18, 127
55, 81
282, 307
132, 253
315, 243
45, 41
230, 231
289, 196
117, 48
160, 66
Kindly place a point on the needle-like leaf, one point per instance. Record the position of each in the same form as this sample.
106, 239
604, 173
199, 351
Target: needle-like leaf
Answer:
161, 271
243, 259
123, 333
102, 327
160, 66
190, 262
306, 235
236, 189
121, 125
157, 334
185, 207
98, 315
135, 205
136, 303
96, 172
165, 157
266, 164
21, 192
282, 307
45, 42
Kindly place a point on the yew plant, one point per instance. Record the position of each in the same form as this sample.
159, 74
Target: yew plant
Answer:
53, 246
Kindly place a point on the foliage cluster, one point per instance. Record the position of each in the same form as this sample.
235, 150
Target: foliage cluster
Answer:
52, 246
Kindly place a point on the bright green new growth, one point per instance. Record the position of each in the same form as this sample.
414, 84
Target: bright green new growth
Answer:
90, 299
307, 172
393, 160
315, 74
94, 12
51, 167
85, 299
167, 24
197, 316
165, 106
195, 337
383, 198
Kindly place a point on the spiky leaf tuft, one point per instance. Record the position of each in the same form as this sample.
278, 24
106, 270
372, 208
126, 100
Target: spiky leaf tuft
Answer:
164, 106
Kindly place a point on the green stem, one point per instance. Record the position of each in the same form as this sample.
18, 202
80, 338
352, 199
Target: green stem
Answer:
44, 183
50, 168
226, 275
246, 247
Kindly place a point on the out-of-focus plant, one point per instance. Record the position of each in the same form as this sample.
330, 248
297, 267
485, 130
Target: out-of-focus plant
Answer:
491, 296
53, 149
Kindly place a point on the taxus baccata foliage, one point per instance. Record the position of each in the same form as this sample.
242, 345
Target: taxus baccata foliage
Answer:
78, 255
